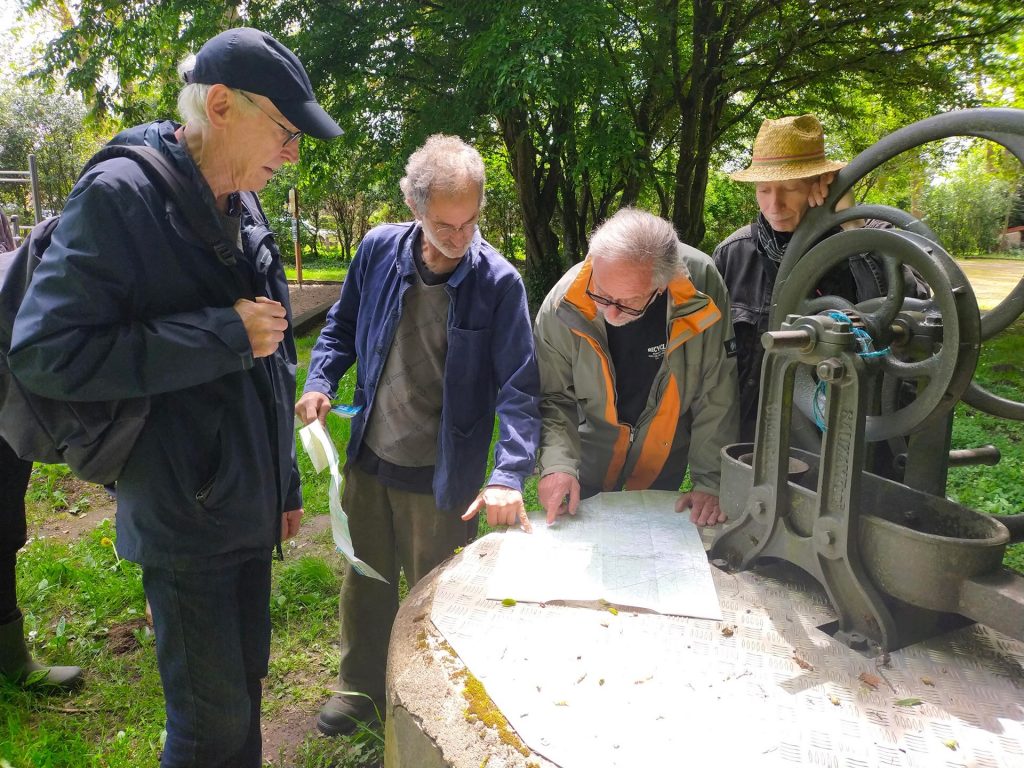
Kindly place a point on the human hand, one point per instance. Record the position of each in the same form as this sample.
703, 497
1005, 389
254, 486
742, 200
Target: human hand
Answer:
819, 189
265, 322
290, 522
704, 509
312, 406
504, 507
552, 491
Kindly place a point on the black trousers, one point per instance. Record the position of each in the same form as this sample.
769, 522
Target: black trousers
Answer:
14, 475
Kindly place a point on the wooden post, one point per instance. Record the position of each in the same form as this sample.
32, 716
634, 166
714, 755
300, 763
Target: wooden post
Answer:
293, 204
33, 176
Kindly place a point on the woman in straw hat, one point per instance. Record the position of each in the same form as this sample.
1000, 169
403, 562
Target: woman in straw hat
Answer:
790, 174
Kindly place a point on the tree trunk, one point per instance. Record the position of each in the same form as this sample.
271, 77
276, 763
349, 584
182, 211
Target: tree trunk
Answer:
700, 100
537, 189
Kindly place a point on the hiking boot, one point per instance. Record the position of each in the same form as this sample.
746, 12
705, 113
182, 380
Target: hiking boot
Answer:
343, 714
16, 663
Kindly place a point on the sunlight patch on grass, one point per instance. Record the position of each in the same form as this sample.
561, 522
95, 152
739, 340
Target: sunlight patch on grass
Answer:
318, 274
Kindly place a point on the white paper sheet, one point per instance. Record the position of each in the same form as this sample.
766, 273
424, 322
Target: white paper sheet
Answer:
629, 549
324, 455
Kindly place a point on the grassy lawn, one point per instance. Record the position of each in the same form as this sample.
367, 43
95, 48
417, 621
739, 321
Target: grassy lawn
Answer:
317, 273
83, 606
1014, 254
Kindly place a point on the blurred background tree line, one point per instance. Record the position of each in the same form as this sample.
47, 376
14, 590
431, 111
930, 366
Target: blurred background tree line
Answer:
579, 107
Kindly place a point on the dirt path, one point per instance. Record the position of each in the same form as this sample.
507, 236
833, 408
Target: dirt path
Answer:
83, 507
311, 296
89, 505
992, 279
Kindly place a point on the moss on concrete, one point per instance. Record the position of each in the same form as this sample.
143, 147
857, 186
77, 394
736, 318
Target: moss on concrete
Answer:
480, 708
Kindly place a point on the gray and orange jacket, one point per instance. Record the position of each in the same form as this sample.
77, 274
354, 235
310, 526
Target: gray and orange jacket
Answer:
693, 399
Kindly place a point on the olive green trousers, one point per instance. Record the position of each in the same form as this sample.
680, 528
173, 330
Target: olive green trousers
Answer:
392, 530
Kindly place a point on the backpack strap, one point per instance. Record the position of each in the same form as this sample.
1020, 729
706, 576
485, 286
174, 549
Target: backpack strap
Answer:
180, 190
259, 236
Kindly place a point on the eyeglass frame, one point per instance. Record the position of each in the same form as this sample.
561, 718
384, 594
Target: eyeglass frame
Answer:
447, 229
604, 301
292, 135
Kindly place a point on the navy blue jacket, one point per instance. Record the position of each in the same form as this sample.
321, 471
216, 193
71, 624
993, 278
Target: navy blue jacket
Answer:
490, 363
126, 303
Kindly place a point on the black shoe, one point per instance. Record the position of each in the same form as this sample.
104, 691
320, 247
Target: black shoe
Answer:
344, 714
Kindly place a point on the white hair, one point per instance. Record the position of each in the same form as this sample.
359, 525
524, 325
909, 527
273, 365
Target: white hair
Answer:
444, 164
192, 99
643, 238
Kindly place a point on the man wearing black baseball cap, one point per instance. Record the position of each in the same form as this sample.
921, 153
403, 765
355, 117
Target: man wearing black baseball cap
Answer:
253, 61
128, 303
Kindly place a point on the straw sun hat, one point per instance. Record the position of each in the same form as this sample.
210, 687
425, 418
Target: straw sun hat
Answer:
788, 148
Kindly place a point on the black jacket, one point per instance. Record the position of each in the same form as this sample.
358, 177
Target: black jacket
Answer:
125, 303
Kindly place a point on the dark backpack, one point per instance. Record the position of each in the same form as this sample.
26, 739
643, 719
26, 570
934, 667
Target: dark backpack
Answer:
93, 438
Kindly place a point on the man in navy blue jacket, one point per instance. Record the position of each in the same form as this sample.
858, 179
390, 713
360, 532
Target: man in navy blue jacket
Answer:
437, 324
126, 302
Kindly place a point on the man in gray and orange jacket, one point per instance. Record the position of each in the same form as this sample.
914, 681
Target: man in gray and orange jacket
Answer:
637, 364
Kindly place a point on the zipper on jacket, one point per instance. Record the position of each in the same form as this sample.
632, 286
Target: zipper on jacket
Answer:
204, 491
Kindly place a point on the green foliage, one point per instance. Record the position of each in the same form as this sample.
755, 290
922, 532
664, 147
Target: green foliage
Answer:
274, 199
588, 120
501, 222
56, 486
589, 104
728, 206
46, 480
1003, 84
135, 77
351, 183
49, 124
968, 207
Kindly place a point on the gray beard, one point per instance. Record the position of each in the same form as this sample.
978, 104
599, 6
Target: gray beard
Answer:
624, 320
448, 253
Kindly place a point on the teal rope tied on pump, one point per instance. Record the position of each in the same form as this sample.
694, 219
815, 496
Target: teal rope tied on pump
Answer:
863, 338
867, 351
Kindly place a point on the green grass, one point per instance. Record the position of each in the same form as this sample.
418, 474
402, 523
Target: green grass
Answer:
55, 485
1014, 254
84, 607
326, 273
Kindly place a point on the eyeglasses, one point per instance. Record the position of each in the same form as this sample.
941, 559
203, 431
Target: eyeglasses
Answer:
292, 135
604, 301
448, 229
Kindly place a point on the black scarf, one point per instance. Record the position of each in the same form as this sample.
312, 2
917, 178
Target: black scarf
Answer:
769, 242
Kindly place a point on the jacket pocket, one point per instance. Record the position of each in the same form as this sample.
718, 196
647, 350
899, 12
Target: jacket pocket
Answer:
206, 488
223, 483
468, 379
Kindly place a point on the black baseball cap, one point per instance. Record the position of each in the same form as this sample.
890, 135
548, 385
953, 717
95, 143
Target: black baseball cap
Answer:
253, 61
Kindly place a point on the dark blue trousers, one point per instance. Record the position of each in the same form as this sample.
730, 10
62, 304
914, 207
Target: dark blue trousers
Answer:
212, 644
